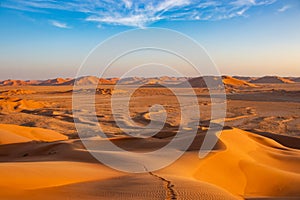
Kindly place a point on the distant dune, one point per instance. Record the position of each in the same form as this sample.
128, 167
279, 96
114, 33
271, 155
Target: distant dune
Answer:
86, 80
244, 78
200, 82
271, 79
296, 79
109, 81
56, 81
151, 81
90, 80
235, 81
195, 82
13, 83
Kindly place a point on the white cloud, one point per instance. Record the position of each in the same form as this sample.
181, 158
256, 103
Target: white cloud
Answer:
135, 20
244, 2
140, 13
241, 12
284, 8
59, 24
168, 4
127, 3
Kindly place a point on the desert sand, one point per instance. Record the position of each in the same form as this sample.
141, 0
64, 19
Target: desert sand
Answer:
257, 155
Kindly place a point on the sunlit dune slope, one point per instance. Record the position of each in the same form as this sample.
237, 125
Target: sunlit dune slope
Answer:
250, 166
15, 134
230, 81
14, 104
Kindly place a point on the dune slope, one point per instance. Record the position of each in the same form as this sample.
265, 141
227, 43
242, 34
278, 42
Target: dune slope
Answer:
15, 134
247, 167
244, 166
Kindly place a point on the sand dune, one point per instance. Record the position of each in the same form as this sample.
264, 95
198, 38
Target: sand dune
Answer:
16, 92
109, 81
130, 80
13, 104
86, 80
260, 163
200, 82
48, 177
56, 81
244, 78
195, 82
244, 167
10, 82
296, 79
151, 81
230, 81
16, 134
271, 79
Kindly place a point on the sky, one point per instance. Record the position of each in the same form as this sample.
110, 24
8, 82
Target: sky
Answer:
46, 39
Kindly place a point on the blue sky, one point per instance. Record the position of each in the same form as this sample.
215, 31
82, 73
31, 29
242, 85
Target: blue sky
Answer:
45, 39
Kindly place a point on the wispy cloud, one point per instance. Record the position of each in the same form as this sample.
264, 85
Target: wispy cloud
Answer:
241, 12
136, 20
284, 8
244, 2
59, 24
140, 13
